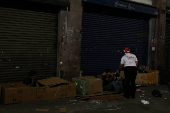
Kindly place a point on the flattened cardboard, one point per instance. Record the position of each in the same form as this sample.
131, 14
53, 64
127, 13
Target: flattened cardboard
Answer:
53, 81
55, 88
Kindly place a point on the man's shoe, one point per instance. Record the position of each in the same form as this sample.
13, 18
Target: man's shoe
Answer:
126, 96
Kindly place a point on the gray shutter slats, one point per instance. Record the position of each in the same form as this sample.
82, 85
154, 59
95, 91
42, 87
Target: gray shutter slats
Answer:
27, 42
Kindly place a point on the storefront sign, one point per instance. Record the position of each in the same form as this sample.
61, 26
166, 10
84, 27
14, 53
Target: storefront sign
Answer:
126, 5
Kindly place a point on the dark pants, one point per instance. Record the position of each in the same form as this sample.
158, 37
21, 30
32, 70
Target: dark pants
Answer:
130, 76
114, 85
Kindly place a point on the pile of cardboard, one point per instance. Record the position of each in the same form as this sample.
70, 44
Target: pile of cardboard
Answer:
88, 85
150, 78
51, 88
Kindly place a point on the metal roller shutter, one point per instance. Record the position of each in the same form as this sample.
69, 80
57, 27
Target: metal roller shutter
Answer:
27, 42
104, 39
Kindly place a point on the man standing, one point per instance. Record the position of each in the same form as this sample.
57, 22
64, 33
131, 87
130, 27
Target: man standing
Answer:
130, 63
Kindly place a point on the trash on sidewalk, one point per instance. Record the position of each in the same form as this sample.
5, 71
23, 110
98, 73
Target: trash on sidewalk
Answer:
62, 110
73, 100
162, 91
156, 93
108, 108
42, 110
145, 102
142, 96
96, 101
139, 90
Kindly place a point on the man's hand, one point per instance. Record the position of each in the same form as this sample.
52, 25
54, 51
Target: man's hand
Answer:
120, 67
117, 71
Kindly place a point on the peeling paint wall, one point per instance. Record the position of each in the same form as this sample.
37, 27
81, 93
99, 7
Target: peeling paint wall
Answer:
159, 59
70, 41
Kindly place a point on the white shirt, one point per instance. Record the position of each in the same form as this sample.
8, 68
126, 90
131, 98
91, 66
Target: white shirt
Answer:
129, 60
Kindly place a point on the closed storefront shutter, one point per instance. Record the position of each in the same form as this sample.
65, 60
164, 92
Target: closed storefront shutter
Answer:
27, 42
104, 37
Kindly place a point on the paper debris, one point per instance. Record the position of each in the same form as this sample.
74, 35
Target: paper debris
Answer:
73, 100
145, 102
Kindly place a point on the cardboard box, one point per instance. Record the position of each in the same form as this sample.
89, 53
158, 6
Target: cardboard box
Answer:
100, 76
138, 80
88, 85
145, 82
54, 88
139, 76
152, 77
42, 93
32, 94
15, 93
68, 90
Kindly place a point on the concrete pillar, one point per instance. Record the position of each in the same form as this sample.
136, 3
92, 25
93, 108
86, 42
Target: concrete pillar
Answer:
70, 50
160, 38
159, 34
